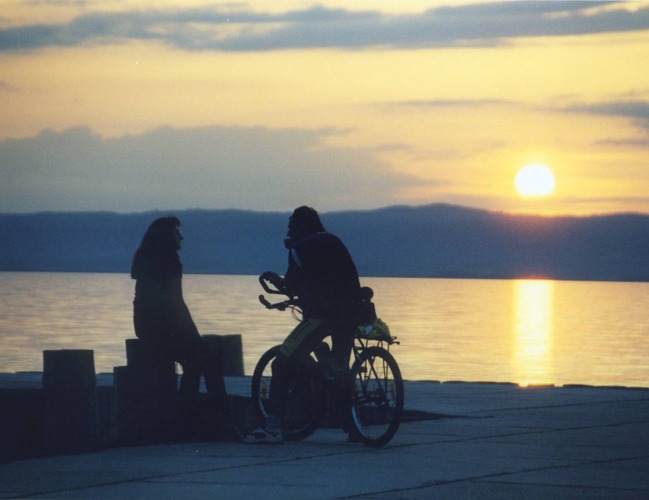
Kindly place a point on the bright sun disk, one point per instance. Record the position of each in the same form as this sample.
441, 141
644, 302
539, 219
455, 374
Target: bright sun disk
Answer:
534, 180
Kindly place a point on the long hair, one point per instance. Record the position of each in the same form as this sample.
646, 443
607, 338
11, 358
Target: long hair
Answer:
157, 252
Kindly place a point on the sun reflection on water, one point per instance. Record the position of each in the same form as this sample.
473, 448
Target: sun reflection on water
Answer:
533, 334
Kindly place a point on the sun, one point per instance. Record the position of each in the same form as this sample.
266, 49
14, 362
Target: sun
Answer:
534, 181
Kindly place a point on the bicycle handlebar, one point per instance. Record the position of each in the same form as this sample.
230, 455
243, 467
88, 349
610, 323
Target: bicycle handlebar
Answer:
280, 306
264, 280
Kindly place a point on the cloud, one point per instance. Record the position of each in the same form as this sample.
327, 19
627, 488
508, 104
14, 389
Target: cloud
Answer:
636, 110
453, 103
214, 29
209, 167
4, 86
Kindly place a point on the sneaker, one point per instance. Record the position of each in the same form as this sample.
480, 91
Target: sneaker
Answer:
264, 436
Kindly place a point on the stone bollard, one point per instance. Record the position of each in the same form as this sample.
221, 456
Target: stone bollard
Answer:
145, 395
230, 347
141, 357
69, 386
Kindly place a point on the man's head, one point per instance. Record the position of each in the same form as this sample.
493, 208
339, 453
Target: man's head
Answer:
303, 221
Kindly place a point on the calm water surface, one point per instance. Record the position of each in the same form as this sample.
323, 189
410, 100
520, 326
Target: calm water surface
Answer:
527, 332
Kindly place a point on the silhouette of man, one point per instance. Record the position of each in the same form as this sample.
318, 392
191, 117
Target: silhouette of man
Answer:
323, 276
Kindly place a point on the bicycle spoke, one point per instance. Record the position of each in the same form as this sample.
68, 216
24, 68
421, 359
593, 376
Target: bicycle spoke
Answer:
377, 399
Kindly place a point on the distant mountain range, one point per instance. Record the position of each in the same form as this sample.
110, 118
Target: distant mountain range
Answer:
425, 241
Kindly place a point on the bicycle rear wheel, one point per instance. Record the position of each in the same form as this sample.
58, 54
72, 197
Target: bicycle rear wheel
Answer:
304, 402
377, 396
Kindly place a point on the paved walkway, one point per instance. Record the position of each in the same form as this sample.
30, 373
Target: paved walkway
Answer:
494, 441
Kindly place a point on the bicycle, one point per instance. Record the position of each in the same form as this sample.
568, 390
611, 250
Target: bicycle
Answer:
370, 388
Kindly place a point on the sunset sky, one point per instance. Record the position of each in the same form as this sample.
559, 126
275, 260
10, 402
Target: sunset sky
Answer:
128, 106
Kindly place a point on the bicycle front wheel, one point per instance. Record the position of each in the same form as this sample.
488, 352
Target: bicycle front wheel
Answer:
300, 418
377, 396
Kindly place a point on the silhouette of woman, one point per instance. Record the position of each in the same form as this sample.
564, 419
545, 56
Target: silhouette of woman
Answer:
162, 319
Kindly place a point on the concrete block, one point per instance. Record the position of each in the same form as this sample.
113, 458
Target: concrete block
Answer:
69, 385
231, 348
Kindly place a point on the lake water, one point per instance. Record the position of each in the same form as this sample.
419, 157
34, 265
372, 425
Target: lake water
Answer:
521, 331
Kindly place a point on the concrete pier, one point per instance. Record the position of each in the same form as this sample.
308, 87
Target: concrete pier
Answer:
487, 441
